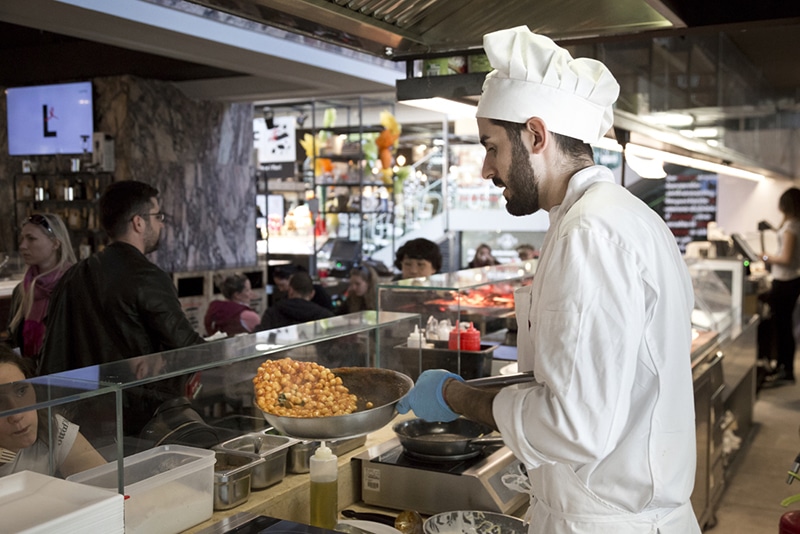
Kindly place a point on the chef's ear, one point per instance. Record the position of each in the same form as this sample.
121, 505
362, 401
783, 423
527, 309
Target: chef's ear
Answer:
537, 135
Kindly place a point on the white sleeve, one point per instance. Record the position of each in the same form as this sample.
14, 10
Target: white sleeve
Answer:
586, 328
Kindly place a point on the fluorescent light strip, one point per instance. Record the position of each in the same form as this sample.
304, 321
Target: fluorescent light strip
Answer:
646, 152
451, 108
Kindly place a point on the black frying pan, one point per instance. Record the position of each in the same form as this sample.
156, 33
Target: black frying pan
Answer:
459, 438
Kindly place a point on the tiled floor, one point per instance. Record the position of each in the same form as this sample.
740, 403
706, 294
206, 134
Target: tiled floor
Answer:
751, 502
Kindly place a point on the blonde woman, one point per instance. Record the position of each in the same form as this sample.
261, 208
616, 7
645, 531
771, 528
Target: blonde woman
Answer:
46, 249
362, 291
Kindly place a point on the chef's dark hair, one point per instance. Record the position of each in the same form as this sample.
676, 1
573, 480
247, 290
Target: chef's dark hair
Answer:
419, 249
121, 201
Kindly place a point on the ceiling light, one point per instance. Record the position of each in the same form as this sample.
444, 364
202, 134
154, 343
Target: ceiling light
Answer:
706, 133
646, 152
607, 143
451, 108
673, 120
651, 168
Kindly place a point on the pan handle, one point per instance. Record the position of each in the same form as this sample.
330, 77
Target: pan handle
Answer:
502, 380
384, 519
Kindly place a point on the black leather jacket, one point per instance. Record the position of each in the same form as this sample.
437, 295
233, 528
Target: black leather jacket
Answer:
113, 305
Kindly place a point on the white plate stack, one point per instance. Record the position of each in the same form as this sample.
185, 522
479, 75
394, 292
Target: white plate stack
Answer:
34, 503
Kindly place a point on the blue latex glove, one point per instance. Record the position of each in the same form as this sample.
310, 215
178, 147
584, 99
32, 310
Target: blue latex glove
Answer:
426, 399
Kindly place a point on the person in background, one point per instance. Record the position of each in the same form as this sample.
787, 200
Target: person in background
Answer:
297, 308
233, 315
483, 257
26, 433
418, 258
117, 304
46, 249
606, 430
785, 269
281, 276
362, 292
527, 252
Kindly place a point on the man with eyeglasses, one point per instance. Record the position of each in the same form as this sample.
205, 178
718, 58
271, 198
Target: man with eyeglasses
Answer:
117, 304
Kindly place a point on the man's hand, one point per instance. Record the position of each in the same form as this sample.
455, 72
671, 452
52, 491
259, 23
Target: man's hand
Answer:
426, 399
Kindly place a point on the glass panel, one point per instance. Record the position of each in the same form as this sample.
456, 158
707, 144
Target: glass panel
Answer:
49, 418
483, 297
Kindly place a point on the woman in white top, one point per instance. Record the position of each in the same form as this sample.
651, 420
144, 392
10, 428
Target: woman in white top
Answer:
785, 268
26, 434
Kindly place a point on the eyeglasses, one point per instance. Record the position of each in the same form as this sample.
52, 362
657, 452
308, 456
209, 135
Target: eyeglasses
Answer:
41, 220
160, 216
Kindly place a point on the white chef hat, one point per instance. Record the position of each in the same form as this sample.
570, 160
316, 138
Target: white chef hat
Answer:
534, 77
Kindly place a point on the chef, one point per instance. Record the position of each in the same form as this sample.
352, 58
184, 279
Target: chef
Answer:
607, 429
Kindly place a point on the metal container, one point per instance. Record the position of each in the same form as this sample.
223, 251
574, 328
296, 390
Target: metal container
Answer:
272, 450
467, 363
232, 475
300, 453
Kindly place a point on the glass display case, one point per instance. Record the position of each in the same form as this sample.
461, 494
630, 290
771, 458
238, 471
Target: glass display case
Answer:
718, 296
482, 296
182, 396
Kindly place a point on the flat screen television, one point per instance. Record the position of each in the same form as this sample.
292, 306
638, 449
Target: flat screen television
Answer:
50, 119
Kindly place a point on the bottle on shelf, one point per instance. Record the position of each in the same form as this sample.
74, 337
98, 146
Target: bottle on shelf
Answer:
25, 188
324, 500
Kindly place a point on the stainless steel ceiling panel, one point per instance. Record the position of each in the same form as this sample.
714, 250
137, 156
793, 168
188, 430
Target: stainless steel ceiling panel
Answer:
419, 27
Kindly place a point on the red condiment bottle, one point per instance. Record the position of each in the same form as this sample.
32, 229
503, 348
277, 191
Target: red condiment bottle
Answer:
471, 338
468, 339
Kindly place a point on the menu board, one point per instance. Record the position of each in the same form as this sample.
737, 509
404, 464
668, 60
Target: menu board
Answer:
690, 203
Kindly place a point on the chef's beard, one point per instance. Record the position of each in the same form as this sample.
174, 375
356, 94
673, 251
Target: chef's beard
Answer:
521, 183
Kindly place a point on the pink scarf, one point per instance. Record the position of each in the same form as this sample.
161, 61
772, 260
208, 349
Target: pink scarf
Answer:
33, 327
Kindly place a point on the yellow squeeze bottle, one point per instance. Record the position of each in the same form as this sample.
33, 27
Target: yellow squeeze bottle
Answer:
324, 500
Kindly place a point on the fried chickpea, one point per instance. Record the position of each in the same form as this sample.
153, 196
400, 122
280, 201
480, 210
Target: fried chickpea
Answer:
292, 388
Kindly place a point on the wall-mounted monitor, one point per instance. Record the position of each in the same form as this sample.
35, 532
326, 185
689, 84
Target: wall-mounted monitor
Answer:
50, 119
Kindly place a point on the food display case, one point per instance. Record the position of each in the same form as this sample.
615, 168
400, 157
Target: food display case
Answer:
482, 296
718, 296
192, 389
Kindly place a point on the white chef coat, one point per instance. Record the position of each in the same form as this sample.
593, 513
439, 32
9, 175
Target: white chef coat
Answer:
607, 430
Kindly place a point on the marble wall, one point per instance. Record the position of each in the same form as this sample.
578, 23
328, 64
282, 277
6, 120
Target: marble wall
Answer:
198, 154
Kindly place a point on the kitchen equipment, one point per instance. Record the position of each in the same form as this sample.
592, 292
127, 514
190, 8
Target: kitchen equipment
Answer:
364, 527
272, 449
324, 496
300, 453
382, 387
169, 488
473, 522
406, 522
458, 439
435, 354
392, 479
232, 478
